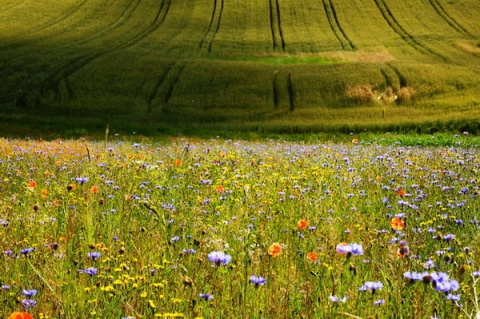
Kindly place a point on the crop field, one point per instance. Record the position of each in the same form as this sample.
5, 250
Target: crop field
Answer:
234, 229
269, 65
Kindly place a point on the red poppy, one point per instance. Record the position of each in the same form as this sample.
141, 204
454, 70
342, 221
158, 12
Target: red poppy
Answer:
313, 256
94, 189
178, 162
302, 224
397, 223
275, 249
32, 184
400, 192
20, 315
220, 189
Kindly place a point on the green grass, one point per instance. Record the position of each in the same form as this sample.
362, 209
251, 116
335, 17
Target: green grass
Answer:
235, 65
123, 228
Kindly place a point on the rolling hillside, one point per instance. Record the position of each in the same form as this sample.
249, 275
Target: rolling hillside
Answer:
241, 64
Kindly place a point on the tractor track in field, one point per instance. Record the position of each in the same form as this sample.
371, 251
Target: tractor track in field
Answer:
165, 84
291, 93
54, 80
401, 79
448, 18
281, 85
276, 26
160, 80
213, 27
335, 26
400, 30
275, 90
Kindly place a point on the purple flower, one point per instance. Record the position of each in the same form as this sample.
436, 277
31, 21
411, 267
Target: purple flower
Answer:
412, 275
94, 255
351, 249
189, 251
357, 249
81, 180
453, 297
5, 287
371, 285
428, 264
29, 293
207, 297
89, 271
257, 280
28, 303
26, 251
448, 237
443, 283
337, 299
219, 257
378, 302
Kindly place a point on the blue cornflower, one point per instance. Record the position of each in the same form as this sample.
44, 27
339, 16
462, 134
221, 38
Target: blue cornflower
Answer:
28, 303
378, 302
453, 297
371, 285
89, 271
257, 280
337, 299
189, 251
29, 293
443, 283
94, 255
412, 275
206, 296
449, 237
81, 180
219, 257
26, 251
5, 287
428, 264
357, 249
351, 249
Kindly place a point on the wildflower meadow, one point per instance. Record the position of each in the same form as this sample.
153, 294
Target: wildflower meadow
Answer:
238, 229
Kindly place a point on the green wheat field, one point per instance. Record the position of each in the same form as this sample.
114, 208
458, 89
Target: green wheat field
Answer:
274, 66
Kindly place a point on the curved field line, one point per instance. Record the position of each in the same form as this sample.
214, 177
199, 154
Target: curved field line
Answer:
275, 90
402, 80
447, 18
335, 25
170, 85
209, 36
53, 81
291, 92
397, 28
276, 26
160, 80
